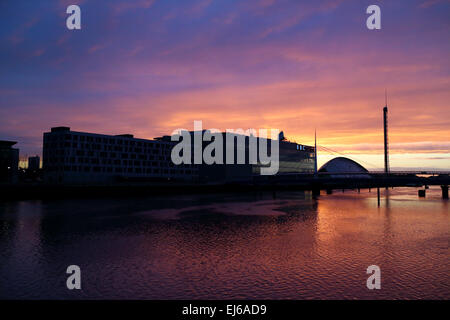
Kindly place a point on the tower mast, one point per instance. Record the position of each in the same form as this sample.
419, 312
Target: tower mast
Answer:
315, 152
386, 141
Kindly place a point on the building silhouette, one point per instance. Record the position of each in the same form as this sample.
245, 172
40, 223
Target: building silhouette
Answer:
9, 161
34, 163
71, 157
86, 158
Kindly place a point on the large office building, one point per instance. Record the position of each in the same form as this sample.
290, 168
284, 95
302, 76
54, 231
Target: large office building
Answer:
292, 158
71, 157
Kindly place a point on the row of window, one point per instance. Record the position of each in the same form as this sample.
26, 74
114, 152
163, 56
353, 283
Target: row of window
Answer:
105, 140
147, 171
115, 162
99, 147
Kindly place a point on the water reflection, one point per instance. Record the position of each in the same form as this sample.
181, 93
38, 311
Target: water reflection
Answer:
263, 245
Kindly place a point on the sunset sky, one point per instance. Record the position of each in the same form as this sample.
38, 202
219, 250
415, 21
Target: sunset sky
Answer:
149, 67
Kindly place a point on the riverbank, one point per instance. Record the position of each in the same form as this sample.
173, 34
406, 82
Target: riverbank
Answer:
276, 183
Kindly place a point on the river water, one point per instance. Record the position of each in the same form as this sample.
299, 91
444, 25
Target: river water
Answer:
283, 245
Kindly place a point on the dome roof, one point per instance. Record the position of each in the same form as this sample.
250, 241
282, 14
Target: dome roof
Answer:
342, 165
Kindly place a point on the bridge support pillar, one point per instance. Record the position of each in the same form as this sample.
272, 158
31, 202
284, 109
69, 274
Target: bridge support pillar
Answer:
378, 196
444, 192
315, 192
422, 193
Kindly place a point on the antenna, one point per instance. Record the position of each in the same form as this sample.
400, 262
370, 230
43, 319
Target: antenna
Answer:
386, 139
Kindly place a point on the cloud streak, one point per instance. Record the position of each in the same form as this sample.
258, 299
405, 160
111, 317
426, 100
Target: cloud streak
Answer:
149, 67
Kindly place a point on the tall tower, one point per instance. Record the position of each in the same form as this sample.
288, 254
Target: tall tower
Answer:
386, 142
315, 153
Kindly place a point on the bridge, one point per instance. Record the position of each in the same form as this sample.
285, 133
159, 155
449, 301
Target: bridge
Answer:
330, 181
335, 177
299, 181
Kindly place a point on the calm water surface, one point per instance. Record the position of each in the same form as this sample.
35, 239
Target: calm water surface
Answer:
256, 246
